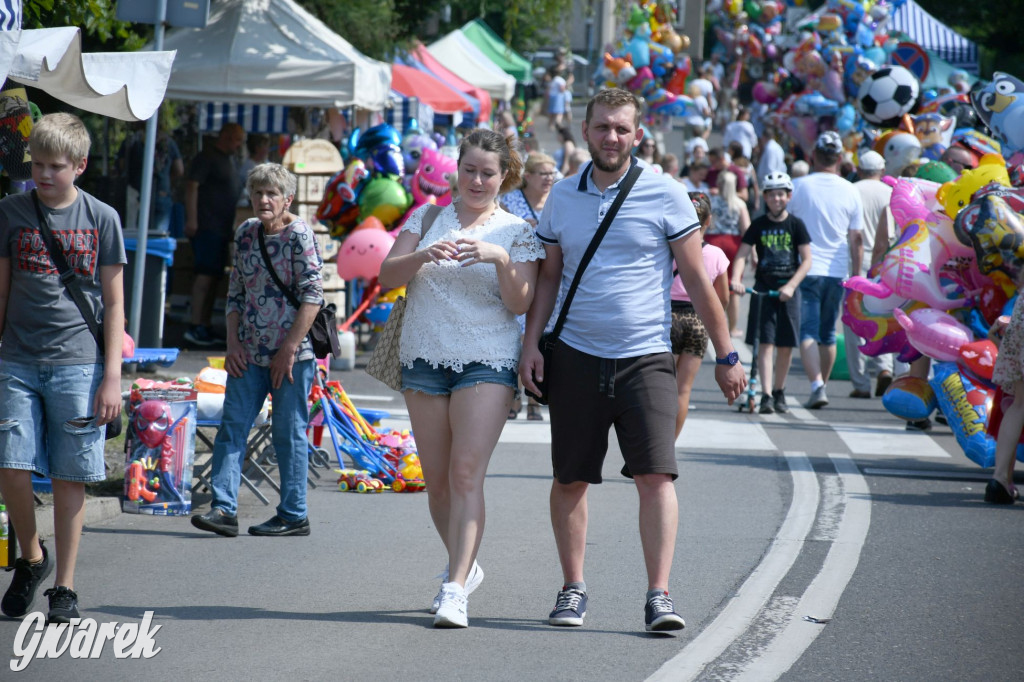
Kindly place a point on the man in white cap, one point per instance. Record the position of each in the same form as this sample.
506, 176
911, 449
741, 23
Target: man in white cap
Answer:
875, 196
832, 211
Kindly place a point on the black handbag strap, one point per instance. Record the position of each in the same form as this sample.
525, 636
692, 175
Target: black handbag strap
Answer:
68, 277
624, 187
292, 298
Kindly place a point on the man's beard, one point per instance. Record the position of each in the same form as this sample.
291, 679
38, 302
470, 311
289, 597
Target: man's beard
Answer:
602, 165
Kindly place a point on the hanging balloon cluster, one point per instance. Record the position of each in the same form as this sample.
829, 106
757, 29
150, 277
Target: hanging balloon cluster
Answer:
650, 60
386, 178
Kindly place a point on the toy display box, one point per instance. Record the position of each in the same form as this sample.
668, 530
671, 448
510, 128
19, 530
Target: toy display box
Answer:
160, 447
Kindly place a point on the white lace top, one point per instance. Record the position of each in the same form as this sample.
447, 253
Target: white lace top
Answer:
454, 314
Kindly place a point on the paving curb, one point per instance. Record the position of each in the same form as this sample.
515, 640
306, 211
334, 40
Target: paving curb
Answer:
97, 509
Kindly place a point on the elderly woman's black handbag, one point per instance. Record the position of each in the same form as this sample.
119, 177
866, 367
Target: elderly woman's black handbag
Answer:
323, 334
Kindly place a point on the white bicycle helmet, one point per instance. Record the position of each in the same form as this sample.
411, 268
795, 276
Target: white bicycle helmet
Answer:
777, 181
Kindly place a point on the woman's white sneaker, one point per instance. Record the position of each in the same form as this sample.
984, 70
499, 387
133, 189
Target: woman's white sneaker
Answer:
452, 612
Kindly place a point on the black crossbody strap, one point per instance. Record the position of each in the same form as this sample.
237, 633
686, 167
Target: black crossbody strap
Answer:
292, 298
627, 184
68, 277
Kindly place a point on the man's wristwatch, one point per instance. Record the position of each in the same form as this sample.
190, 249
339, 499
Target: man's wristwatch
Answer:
731, 359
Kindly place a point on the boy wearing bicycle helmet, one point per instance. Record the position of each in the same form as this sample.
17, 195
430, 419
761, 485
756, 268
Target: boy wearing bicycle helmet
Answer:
783, 249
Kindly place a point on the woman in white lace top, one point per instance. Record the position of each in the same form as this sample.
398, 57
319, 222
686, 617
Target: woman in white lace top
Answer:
470, 268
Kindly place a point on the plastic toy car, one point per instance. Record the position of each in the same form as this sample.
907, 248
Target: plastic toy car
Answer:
403, 485
358, 480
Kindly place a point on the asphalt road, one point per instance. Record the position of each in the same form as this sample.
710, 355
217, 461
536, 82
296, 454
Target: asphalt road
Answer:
837, 514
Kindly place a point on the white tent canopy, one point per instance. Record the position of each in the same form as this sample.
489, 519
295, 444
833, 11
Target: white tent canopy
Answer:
124, 85
460, 56
273, 52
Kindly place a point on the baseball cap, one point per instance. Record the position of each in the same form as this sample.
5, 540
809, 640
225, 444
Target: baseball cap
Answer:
871, 161
829, 141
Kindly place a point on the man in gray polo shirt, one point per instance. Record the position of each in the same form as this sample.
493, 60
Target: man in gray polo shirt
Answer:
612, 365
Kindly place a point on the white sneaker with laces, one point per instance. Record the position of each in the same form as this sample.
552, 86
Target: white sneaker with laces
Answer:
452, 612
476, 576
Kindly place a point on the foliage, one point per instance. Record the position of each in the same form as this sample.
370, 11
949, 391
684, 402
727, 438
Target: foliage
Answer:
101, 31
985, 24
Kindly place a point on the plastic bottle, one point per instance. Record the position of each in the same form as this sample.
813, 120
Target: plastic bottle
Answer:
4, 535
347, 361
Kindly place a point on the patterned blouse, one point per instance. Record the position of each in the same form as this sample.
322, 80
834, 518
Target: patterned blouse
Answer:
265, 315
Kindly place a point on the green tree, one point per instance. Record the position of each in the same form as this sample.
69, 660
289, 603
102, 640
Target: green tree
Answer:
101, 31
987, 25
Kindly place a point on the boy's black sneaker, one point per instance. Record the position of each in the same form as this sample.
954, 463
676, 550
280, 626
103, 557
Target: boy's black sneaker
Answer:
766, 404
19, 596
660, 614
199, 335
779, 400
63, 605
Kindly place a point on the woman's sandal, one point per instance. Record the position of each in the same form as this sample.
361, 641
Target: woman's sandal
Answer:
513, 413
533, 413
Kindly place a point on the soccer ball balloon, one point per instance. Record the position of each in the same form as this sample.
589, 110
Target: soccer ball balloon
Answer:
887, 93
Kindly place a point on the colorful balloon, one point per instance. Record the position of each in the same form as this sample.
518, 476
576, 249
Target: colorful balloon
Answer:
966, 404
362, 253
935, 333
910, 398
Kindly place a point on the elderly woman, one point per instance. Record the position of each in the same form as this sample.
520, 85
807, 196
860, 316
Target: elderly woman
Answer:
470, 268
268, 352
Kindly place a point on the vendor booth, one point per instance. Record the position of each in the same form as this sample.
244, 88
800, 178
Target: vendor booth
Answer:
458, 54
515, 65
273, 52
931, 34
420, 58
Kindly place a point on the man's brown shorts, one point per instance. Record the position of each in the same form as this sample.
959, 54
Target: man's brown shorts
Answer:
588, 395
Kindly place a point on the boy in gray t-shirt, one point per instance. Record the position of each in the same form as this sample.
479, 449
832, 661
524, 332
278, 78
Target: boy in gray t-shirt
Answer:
58, 389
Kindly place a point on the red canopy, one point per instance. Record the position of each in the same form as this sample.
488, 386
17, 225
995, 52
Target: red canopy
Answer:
421, 53
429, 90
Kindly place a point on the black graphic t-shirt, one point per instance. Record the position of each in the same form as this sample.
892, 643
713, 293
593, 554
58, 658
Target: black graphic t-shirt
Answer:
42, 323
776, 244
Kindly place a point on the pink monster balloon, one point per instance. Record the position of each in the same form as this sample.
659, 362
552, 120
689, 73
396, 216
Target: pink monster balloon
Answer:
361, 255
935, 333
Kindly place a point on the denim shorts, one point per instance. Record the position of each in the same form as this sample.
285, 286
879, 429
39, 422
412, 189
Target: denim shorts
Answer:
425, 378
820, 300
37, 406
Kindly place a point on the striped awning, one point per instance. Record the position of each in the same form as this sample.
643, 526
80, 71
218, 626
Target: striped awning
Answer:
932, 34
254, 118
404, 109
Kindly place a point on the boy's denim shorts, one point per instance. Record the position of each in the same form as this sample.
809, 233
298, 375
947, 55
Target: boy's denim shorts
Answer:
37, 405
425, 378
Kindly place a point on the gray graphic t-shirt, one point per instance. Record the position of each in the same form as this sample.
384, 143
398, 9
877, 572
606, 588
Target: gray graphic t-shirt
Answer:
43, 324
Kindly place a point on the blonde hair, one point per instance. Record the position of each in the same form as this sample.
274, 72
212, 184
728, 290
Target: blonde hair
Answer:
727, 189
59, 135
271, 175
537, 159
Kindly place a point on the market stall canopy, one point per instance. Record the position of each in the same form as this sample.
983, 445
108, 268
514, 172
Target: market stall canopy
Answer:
481, 35
273, 52
428, 89
931, 34
124, 85
460, 56
421, 58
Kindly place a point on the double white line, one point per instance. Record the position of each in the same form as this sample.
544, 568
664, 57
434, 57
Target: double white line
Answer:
819, 600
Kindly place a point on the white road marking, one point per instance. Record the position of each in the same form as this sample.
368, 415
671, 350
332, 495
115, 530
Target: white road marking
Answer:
723, 434
888, 439
755, 592
822, 595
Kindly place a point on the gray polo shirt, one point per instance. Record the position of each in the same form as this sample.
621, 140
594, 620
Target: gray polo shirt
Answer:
622, 306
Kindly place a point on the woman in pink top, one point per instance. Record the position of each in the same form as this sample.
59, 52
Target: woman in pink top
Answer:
688, 335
